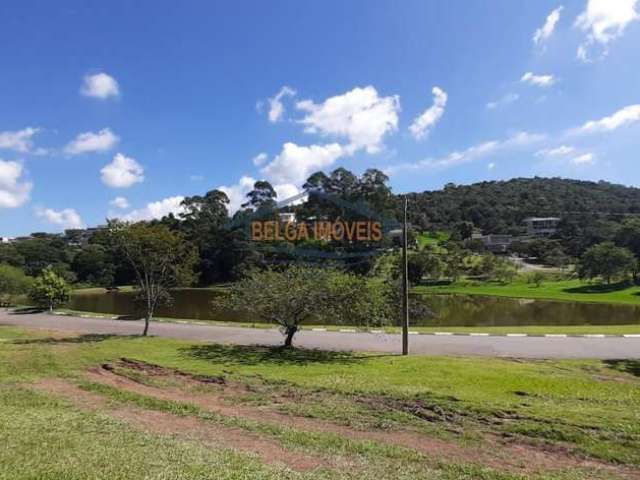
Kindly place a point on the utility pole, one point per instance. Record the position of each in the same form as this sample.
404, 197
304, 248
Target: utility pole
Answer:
405, 284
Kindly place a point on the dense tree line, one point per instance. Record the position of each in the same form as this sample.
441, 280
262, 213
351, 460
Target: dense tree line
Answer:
591, 212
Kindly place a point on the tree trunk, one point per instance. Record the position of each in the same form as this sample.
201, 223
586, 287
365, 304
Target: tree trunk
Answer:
147, 320
291, 331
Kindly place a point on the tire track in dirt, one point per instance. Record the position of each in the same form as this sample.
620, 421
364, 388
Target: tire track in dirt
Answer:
512, 456
188, 428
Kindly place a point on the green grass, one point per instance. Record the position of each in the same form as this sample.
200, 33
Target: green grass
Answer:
589, 406
45, 437
565, 290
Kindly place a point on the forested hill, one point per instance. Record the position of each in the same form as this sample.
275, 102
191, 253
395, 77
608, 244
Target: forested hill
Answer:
500, 206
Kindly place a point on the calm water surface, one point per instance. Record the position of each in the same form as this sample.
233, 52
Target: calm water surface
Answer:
448, 310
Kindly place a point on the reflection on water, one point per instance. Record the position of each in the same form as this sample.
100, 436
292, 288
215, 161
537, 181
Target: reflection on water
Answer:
448, 310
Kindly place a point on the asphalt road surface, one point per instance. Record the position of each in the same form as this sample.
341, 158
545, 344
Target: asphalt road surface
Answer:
489, 346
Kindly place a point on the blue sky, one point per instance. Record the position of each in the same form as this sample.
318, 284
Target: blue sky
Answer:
121, 108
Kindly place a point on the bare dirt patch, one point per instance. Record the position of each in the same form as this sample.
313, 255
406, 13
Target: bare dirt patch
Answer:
497, 453
186, 427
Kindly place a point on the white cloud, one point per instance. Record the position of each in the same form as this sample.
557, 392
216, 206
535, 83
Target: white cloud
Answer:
122, 172
538, 80
67, 218
603, 21
561, 151
481, 150
276, 107
100, 85
19, 141
422, 124
491, 166
285, 191
196, 178
14, 189
259, 159
295, 163
584, 159
360, 115
87, 142
155, 210
543, 33
504, 100
625, 116
120, 202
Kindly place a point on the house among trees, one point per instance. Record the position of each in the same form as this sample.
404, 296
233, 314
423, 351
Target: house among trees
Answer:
541, 227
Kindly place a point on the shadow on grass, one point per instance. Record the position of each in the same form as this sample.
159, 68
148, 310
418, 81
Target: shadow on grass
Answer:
599, 288
625, 366
88, 338
26, 311
241, 355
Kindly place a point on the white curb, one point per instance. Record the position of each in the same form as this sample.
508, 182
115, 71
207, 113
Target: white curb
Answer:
594, 335
347, 330
318, 329
556, 335
631, 335
443, 333
516, 335
475, 334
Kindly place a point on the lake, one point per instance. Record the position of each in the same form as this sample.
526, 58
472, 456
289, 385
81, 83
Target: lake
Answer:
448, 310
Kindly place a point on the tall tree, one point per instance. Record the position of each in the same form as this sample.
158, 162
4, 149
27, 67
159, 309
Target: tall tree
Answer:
262, 197
160, 258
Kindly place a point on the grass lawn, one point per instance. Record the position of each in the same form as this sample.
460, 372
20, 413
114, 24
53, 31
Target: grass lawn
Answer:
342, 415
566, 290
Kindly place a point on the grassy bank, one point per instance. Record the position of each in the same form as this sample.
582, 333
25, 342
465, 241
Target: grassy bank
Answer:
363, 405
565, 290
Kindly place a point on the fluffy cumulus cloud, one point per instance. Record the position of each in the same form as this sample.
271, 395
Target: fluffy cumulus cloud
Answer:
625, 116
295, 163
584, 159
561, 151
259, 159
424, 123
120, 202
155, 210
538, 80
19, 140
88, 142
67, 218
276, 107
122, 172
543, 33
100, 85
603, 21
475, 152
361, 116
14, 188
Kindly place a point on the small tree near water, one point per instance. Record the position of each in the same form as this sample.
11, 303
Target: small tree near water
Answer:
49, 290
160, 258
299, 293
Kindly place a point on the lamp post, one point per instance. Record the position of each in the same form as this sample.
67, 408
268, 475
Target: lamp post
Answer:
405, 284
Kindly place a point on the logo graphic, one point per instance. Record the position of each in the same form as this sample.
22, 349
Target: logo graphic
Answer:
342, 231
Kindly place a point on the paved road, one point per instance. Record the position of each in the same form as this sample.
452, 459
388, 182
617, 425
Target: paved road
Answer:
491, 346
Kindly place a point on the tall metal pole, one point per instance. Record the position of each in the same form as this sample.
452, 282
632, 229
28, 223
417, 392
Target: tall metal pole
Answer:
405, 285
